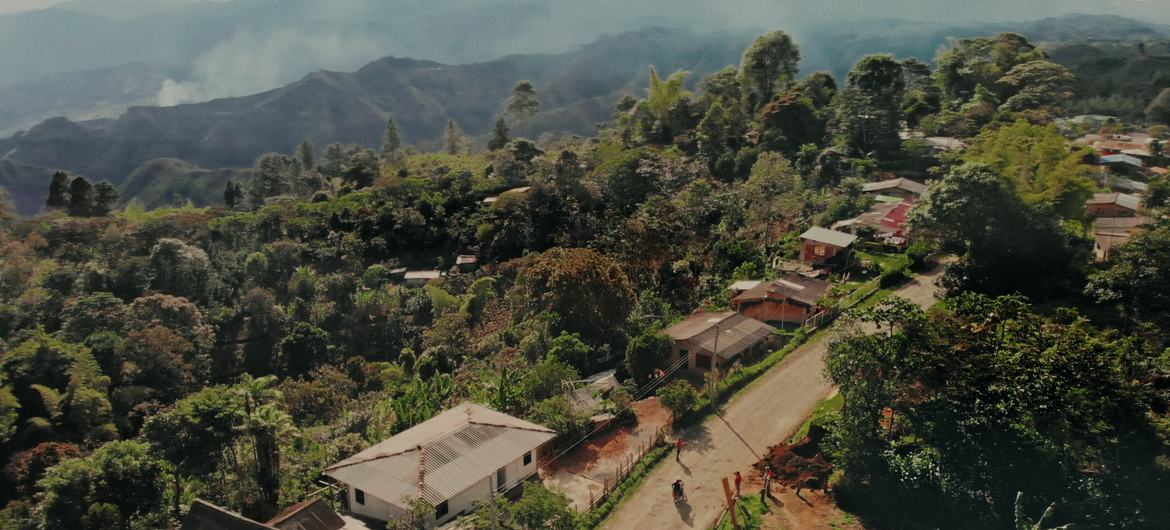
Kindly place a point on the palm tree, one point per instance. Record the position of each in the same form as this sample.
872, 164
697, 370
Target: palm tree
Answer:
267, 425
1023, 522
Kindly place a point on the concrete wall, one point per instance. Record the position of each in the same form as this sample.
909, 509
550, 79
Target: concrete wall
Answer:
374, 507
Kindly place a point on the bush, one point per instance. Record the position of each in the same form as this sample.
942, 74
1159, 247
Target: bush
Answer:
919, 254
895, 276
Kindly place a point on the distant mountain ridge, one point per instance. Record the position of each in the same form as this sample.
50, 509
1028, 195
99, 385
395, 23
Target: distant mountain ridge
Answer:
578, 89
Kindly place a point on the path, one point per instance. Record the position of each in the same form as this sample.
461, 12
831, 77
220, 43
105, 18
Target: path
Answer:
766, 412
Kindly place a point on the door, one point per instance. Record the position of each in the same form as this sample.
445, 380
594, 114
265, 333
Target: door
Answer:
502, 479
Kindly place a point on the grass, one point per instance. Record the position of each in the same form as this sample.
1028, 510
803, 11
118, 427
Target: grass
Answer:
750, 511
825, 409
888, 262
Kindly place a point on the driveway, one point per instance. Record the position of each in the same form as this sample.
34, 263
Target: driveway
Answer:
768, 411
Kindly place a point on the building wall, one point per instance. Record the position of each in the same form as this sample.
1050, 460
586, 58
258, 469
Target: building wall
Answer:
814, 252
461, 503
1108, 210
775, 311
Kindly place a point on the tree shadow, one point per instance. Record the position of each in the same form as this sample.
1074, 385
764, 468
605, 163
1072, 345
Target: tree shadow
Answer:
698, 439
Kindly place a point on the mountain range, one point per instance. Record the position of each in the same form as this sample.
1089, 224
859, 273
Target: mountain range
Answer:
578, 89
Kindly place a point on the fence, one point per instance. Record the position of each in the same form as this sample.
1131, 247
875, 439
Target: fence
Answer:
828, 315
624, 466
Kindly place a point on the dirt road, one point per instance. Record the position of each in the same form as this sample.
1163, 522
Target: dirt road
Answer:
765, 413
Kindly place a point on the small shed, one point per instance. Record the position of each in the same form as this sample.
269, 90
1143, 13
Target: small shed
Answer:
466, 262
819, 245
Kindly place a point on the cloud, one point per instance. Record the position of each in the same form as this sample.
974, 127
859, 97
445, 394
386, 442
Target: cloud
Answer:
250, 62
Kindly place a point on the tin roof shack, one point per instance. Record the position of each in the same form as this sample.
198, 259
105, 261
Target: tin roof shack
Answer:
788, 300
451, 460
1113, 205
717, 340
466, 262
421, 278
819, 245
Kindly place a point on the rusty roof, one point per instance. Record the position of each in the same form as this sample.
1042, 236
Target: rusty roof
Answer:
441, 457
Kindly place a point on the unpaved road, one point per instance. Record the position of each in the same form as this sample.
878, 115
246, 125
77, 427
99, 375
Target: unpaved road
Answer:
765, 413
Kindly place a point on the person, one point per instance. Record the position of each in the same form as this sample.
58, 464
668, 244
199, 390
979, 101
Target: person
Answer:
676, 489
678, 443
768, 476
738, 482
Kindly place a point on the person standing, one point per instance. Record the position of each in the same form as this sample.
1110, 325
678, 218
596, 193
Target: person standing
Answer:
738, 482
768, 476
678, 443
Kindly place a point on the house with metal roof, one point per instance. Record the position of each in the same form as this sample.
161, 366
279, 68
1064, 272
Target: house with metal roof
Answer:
902, 188
790, 300
452, 460
1113, 205
819, 245
717, 340
311, 514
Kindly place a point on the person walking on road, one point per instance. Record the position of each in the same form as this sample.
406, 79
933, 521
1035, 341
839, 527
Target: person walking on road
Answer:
738, 482
678, 443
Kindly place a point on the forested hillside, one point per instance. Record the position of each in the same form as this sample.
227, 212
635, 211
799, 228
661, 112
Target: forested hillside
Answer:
230, 352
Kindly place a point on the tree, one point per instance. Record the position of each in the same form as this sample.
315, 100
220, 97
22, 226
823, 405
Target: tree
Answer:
523, 104
1157, 111
1036, 84
273, 175
1136, 278
390, 142
1036, 162
981, 61
1004, 244
663, 95
58, 190
768, 65
586, 292
105, 196
9, 414
869, 109
120, 478
679, 397
539, 508
81, 197
306, 154
180, 269
569, 348
499, 135
451, 138
304, 348
28, 467
646, 353
233, 195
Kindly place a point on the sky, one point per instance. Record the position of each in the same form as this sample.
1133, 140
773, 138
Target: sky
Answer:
950, 10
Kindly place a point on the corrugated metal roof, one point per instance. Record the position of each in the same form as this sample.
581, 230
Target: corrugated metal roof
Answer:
744, 285
799, 288
1125, 200
441, 457
206, 516
896, 183
312, 514
735, 332
829, 237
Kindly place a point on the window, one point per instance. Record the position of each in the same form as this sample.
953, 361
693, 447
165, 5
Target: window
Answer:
441, 510
528, 458
359, 496
502, 479
702, 361
819, 250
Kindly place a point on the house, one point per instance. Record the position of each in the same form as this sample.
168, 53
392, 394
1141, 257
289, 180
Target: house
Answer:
466, 262
717, 340
452, 460
789, 300
1112, 232
885, 221
1113, 205
819, 245
311, 514
902, 188
421, 278
1122, 163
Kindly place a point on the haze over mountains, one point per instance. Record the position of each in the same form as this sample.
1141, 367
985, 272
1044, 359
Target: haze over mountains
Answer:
232, 56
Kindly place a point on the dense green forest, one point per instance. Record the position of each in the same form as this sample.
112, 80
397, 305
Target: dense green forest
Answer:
231, 353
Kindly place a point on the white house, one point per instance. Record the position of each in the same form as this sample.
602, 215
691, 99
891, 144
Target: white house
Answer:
452, 460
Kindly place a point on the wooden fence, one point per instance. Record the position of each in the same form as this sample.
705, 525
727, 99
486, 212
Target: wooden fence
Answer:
625, 466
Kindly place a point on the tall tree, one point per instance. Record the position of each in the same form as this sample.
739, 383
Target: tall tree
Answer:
390, 142
451, 140
233, 195
105, 196
664, 94
307, 155
869, 109
768, 65
523, 104
81, 197
1036, 84
58, 190
499, 135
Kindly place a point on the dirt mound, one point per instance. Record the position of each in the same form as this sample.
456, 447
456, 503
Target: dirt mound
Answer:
799, 465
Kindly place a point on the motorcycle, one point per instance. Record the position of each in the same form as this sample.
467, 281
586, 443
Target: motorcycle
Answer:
677, 491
